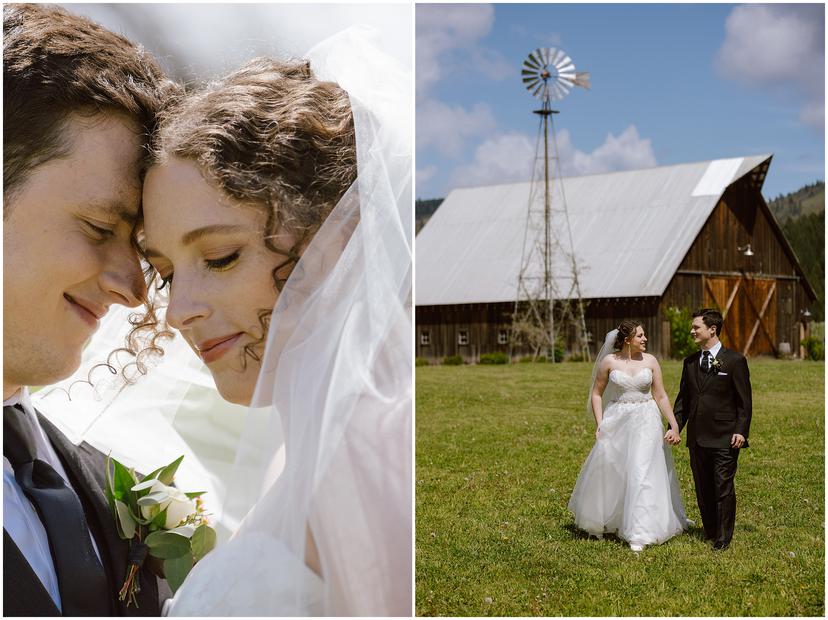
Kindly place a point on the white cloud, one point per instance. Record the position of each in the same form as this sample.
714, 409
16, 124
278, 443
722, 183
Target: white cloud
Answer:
779, 48
510, 157
627, 151
504, 158
448, 41
446, 128
445, 27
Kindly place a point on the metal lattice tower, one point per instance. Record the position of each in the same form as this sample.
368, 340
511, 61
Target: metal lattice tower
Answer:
548, 302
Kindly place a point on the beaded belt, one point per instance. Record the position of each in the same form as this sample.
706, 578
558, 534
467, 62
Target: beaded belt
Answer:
643, 398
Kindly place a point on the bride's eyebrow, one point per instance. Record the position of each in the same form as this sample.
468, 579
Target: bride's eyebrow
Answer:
194, 235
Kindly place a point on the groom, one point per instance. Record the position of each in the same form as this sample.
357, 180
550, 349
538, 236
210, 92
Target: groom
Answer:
714, 401
79, 103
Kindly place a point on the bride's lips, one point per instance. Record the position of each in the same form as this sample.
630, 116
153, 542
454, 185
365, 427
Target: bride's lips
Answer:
90, 313
211, 350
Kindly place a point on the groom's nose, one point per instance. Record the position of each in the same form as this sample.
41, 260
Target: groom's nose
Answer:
123, 280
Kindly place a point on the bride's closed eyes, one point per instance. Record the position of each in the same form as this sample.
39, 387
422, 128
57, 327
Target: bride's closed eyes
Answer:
211, 264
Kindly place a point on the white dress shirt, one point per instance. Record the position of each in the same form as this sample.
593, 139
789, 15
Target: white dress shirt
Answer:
714, 351
20, 519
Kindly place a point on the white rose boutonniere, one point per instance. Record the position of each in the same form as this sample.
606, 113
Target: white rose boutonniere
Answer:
167, 528
716, 365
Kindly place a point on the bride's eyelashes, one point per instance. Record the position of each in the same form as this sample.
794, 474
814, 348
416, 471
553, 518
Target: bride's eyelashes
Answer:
213, 264
224, 263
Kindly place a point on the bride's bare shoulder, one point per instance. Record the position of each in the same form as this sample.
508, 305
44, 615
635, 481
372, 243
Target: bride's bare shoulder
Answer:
651, 361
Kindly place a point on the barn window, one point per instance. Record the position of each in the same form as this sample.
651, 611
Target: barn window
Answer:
463, 336
425, 338
503, 336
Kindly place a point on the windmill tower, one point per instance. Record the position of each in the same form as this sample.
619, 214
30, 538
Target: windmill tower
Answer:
548, 303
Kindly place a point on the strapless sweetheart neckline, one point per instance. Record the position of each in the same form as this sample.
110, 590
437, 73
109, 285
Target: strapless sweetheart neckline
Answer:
629, 375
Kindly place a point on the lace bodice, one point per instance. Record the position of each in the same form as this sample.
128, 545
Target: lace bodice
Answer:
632, 388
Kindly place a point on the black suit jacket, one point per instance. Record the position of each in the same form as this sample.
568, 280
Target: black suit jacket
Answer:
24, 594
717, 404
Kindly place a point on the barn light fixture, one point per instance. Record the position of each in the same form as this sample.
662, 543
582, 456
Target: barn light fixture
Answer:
806, 314
745, 249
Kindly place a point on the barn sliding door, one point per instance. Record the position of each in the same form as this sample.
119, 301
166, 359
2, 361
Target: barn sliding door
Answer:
749, 308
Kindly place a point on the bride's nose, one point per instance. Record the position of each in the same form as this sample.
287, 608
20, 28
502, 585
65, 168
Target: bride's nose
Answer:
188, 303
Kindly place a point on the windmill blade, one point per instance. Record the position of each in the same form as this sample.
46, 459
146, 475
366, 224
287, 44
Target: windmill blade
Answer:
582, 79
531, 63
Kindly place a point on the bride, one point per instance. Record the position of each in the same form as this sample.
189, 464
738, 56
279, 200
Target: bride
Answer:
628, 483
277, 219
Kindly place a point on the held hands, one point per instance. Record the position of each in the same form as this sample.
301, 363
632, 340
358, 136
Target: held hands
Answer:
672, 437
737, 441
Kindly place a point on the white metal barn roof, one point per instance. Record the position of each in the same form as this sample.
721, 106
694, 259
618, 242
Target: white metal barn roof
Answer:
630, 231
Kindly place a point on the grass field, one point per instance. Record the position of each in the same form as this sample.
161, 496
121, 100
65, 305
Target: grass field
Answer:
498, 452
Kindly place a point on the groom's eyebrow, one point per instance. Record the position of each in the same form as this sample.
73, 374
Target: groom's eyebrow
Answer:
114, 209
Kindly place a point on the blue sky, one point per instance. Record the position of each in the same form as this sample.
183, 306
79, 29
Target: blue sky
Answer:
671, 83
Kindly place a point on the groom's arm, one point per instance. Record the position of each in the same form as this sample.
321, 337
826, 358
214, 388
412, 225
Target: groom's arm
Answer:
744, 397
678, 407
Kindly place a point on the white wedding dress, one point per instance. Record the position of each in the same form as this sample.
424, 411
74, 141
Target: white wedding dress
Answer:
628, 483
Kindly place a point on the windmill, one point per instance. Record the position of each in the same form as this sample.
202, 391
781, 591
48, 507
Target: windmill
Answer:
548, 74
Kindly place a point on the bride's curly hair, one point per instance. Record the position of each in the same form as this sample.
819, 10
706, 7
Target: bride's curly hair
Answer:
626, 329
271, 136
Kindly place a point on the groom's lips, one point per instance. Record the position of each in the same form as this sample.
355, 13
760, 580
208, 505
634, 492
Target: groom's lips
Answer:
90, 313
211, 350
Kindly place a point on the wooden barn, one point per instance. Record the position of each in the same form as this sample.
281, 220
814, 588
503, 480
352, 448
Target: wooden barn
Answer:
688, 236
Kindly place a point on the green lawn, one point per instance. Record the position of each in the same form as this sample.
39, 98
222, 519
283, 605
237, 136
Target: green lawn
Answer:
498, 452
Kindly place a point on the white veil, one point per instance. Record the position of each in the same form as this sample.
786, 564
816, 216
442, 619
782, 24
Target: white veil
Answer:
607, 348
327, 444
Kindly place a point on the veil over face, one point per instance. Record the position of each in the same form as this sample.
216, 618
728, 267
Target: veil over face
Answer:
326, 444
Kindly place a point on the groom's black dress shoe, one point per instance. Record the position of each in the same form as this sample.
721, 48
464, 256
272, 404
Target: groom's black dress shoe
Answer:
720, 546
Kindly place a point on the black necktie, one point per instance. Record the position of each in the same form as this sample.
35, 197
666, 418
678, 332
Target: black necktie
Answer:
705, 364
81, 579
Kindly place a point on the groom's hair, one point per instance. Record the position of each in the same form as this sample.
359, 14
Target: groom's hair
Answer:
56, 64
711, 318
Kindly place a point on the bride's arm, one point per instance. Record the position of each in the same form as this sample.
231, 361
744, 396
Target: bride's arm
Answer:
598, 391
661, 398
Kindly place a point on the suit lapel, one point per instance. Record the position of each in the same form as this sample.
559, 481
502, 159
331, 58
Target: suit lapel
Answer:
23, 592
89, 486
86, 468
695, 371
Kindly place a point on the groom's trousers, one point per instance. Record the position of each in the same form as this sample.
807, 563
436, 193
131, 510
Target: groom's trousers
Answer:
713, 473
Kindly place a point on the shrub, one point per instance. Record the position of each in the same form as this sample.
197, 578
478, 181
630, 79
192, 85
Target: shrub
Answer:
681, 342
452, 360
421, 361
494, 358
814, 348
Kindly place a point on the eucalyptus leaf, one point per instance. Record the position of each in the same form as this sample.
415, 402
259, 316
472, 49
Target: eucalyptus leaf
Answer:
126, 525
176, 570
153, 499
168, 473
167, 545
203, 541
194, 494
186, 530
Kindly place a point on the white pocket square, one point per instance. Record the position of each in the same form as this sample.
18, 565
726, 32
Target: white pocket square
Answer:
722, 374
